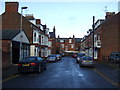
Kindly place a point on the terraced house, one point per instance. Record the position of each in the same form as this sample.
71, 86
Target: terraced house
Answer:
36, 33
68, 44
106, 37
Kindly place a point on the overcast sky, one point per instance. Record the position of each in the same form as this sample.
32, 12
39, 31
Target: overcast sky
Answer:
69, 18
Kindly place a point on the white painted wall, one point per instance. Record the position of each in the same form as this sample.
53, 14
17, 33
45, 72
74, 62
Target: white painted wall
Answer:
19, 38
35, 39
32, 53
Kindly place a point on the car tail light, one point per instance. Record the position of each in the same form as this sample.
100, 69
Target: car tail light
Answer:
33, 64
82, 61
19, 64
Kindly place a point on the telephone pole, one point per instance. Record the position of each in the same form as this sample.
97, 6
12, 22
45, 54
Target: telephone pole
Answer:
93, 26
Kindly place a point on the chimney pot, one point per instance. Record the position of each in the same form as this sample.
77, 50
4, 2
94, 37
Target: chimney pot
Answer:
38, 21
109, 15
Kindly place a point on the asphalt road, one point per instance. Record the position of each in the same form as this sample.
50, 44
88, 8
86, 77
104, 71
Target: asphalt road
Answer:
62, 74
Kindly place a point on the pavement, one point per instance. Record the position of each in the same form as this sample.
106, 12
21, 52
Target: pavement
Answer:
110, 71
10, 71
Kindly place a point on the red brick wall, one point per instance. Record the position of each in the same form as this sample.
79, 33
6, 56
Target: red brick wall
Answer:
53, 46
11, 6
109, 37
119, 32
6, 58
12, 21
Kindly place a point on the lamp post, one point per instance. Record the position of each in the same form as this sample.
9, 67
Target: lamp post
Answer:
21, 32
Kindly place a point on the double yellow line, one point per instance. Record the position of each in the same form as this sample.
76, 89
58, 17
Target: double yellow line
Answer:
107, 78
9, 78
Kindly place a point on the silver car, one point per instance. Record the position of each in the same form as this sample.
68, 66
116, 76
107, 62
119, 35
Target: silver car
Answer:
52, 58
86, 61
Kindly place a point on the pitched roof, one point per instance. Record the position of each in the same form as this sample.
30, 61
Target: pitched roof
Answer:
78, 40
9, 34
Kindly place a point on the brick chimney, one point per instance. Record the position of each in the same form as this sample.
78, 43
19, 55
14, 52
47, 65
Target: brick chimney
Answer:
54, 29
109, 15
11, 6
38, 21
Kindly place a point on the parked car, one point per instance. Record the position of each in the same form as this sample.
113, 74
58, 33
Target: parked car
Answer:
32, 64
58, 57
79, 55
51, 58
86, 61
62, 54
115, 57
74, 55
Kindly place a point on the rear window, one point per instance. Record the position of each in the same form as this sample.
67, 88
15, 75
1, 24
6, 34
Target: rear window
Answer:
87, 58
81, 54
52, 55
30, 59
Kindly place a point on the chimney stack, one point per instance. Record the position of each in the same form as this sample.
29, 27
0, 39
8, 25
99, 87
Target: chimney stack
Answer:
38, 21
54, 29
11, 6
109, 15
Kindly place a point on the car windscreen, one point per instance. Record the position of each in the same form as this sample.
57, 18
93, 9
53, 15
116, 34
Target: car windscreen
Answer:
30, 59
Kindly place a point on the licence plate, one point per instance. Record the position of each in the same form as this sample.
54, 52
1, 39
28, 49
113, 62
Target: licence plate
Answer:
87, 61
25, 65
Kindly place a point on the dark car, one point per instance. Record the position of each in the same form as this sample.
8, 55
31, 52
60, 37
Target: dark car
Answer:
58, 56
32, 64
62, 54
115, 57
51, 58
86, 61
79, 55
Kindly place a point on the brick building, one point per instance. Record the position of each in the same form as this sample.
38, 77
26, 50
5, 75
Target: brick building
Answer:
68, 44
106, 37
10, 46
110, 37
36, 32
52, 41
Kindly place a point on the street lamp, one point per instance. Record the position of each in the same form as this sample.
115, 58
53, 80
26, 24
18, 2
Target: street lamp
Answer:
21, 31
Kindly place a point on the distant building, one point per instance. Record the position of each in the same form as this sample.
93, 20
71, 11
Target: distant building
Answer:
68, 44
52, 42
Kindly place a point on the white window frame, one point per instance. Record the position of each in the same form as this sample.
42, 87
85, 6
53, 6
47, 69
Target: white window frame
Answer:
70, 40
